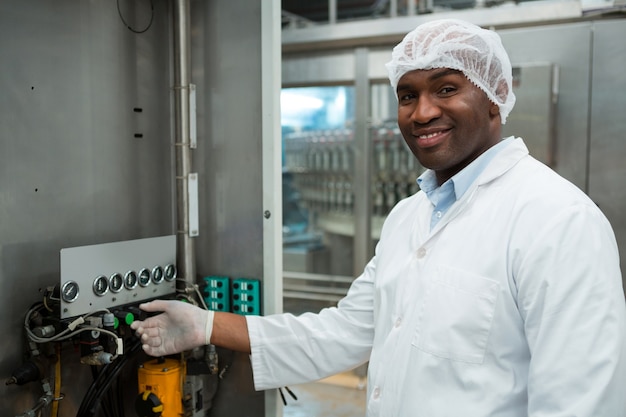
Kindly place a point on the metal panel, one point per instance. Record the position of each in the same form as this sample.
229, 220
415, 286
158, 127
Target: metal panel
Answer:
85, 153
337, 67
227, 68
536, 93
95, 265
608, 140
567, 46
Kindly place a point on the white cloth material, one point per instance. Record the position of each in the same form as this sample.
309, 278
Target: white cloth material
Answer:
512, 306
208, 327
451, 43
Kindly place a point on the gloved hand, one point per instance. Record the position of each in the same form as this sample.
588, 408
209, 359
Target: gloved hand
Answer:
181, 326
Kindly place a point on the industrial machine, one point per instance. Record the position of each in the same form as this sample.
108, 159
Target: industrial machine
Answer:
101, 98
91, 308
102, 206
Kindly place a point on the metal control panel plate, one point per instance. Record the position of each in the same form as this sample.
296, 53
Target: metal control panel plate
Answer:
113, 274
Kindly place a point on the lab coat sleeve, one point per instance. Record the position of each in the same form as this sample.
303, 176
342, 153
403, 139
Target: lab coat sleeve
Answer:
571, 298
290, 350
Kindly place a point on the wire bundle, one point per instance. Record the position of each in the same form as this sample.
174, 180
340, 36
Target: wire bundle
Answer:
102, 384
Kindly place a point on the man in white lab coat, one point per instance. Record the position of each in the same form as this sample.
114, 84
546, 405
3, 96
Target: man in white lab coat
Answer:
495, 291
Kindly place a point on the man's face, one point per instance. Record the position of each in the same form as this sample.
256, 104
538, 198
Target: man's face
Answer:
445, 119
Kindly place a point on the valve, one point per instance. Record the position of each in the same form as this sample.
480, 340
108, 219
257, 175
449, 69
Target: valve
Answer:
148, 404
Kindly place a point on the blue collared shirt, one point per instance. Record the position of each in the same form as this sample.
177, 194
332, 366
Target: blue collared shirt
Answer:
442, 197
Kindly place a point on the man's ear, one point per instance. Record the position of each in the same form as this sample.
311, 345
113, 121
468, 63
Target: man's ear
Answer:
494, 110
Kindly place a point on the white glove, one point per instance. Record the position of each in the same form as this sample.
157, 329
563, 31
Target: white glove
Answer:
181, 326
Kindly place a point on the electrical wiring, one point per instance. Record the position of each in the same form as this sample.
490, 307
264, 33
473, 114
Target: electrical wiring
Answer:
68, 333
45, 304
194, 287
102, 384
119, 11
66, 336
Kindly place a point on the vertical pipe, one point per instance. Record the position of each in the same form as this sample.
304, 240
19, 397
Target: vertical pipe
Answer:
393, 8
425, 6
332, 11
185, 248
362, 163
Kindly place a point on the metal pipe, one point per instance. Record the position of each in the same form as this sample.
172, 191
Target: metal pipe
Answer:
393, 8
362, 245
185, 247
332, 11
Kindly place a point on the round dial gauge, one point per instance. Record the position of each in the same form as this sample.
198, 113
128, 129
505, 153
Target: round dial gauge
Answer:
157, 274
144, 277
116, 282
130, 280
100, 285
69, 291
170, 272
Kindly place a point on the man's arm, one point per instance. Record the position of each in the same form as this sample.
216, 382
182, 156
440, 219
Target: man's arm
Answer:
572, 302
231, 331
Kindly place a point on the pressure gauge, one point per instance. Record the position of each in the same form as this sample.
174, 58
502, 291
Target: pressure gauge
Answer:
130, 280
144, 277
157, 274
100, 285
116, 282
170, 272
69, 291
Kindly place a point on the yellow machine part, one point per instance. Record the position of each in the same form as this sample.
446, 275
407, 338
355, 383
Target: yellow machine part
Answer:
164, 379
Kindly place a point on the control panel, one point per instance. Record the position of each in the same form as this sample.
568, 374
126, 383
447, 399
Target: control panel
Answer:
113, 274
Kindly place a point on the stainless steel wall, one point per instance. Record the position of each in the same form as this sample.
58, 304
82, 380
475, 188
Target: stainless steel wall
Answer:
72, 171
607, 130
226, 58
79, 165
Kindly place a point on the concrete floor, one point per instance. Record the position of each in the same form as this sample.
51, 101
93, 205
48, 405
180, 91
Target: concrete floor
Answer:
338, 396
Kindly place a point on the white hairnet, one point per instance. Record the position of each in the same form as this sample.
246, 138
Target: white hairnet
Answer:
449, 43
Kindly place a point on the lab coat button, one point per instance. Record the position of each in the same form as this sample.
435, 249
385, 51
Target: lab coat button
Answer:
421, 252
398, 322
376, 393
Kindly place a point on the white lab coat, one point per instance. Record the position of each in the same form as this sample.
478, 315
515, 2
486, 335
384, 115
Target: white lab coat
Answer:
512, 306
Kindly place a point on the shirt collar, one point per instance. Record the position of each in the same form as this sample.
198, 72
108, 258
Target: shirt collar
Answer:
462, 180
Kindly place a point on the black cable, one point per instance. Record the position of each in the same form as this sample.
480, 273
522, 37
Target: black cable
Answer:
94, 372
280, 390
111, 402
106, 377
93, 408
93, 390
128, 26
94, 387
291, 393
119, 399
108, 406
94, 402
